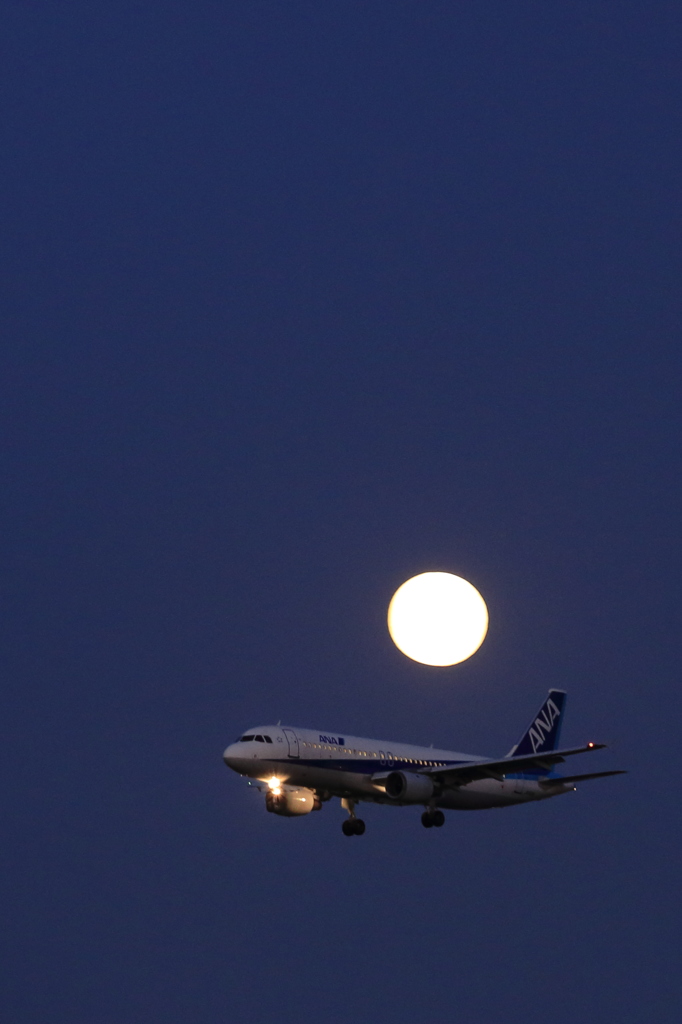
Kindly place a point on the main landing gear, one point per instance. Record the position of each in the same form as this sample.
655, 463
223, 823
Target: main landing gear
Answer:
433, 819
352, 826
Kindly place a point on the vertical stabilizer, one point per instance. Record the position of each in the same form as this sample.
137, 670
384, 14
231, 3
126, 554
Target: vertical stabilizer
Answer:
542, 734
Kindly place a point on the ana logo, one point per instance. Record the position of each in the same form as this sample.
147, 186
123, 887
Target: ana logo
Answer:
542, 726
337, 741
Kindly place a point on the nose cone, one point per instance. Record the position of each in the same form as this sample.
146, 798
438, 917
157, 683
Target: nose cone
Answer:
230, 754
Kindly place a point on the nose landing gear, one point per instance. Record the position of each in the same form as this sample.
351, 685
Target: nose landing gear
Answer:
433, 819
352, 826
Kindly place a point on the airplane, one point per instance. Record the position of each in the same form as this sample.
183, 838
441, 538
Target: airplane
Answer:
300, 769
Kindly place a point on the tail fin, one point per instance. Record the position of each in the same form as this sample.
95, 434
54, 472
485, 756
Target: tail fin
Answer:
542, 734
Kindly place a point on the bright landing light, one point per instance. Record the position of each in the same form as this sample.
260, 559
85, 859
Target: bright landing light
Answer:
437, 618
274, 784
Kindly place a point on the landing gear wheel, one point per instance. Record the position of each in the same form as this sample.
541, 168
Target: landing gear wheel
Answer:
431, 819
353, 827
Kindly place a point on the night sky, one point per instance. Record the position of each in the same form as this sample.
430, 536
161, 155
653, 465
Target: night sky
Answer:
298, 300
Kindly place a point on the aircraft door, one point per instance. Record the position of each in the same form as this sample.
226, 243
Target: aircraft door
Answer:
292, 740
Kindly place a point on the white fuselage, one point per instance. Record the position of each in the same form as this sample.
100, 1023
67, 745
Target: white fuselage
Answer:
351, 767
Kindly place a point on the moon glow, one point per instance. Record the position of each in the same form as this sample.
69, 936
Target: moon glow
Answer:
437, 618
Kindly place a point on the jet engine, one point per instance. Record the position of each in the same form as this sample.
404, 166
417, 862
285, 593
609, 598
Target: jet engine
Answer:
409, 787
290, 801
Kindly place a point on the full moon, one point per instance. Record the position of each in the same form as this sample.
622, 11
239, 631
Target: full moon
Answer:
437, 618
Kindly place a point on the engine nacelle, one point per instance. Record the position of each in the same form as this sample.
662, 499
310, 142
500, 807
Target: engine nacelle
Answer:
291, 801
409, 787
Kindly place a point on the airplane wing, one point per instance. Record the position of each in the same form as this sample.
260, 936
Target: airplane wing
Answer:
468, 771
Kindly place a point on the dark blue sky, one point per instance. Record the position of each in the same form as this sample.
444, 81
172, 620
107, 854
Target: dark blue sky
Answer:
299, 299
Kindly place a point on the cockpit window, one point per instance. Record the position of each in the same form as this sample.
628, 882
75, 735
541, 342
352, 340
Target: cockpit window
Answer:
267, 739
245, 739
260, 739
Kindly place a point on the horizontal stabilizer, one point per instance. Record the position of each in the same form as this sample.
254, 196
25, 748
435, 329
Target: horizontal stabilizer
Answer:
579, 778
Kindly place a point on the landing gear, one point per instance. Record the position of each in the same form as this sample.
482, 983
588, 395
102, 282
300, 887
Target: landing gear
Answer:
433, 819
353, 827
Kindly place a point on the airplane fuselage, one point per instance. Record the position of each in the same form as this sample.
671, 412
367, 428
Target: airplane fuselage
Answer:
355, 768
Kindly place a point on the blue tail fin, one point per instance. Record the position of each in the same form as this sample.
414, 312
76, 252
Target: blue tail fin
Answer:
542, 734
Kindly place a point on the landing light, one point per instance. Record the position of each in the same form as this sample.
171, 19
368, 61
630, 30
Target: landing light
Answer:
590, 744
274, 784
